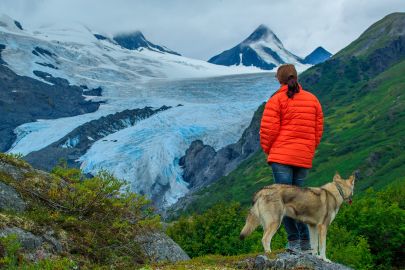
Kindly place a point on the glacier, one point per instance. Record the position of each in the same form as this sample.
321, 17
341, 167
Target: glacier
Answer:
209, 102
215, 110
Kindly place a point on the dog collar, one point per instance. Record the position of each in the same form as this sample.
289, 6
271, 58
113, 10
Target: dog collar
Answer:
342, 194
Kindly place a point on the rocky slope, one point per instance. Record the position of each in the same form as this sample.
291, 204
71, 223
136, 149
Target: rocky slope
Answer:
24, 213
25, 99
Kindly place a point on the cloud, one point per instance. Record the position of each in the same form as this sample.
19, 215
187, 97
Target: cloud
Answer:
201, 29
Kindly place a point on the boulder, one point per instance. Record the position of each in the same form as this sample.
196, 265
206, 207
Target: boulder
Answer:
157, 246
35, 246
10, 200
14, 171
292, 261
28, 240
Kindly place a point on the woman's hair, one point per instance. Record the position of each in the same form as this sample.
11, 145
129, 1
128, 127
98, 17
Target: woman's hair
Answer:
287, 74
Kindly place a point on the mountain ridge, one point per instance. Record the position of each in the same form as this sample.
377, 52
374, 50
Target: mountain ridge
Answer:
136, 40
317, 56
263, 49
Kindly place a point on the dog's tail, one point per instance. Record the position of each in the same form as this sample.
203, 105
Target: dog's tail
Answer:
252, 221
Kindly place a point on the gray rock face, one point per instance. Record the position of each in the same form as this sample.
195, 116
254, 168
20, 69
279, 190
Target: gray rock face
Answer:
28, 240
198, 157
288, 261
35, 247
17, 173
10, 200
158, 247
78, 141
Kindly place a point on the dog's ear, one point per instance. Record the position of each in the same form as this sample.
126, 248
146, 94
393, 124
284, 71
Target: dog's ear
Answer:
336, 177
352, 178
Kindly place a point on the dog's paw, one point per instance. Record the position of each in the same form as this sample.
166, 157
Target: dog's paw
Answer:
326, 259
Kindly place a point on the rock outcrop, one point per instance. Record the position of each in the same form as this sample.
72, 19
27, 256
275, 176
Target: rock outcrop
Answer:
159, 247
10, 200
35, 247
289, 261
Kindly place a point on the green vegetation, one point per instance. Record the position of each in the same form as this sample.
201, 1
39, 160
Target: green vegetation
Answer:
379, 217
15, 159
368, 234
361, 91
217, 232
96, 219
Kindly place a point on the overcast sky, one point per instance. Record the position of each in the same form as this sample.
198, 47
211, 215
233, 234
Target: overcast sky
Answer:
204, 28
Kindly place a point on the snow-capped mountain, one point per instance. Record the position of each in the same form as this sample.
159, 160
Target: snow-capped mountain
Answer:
124, 136
137, 41
262, 49
317, 56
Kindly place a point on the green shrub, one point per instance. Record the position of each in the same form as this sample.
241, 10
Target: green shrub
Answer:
15, 159
99, 215
345, 247
378, 218
217, 230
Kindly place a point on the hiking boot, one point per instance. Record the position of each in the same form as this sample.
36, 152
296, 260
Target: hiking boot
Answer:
294, 246
306, 246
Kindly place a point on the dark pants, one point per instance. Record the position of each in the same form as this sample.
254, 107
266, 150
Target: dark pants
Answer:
291, 175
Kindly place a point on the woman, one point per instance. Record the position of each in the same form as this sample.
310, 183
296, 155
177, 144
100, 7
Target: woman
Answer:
290, 131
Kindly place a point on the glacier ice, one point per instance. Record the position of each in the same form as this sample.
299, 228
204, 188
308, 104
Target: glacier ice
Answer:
217, 105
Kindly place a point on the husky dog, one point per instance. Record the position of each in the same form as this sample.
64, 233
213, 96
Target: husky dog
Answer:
316, 207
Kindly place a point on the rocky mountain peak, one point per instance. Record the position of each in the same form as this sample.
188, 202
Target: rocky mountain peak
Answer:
317, 56
136, 41
262, 32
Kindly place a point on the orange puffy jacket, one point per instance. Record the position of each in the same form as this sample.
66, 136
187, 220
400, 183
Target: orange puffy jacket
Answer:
291, 129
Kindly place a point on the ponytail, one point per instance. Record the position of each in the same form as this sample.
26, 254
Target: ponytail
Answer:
293, 87
287, 74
